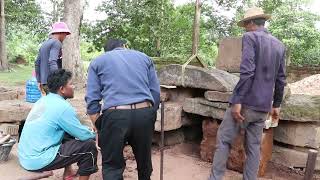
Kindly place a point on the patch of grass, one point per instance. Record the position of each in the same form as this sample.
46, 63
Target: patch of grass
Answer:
18, 75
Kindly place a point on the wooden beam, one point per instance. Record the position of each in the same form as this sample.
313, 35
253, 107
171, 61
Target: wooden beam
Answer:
311, 163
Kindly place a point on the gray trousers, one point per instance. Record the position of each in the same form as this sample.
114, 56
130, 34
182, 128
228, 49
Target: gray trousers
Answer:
228, 130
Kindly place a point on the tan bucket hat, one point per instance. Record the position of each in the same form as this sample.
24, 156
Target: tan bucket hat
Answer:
253, 13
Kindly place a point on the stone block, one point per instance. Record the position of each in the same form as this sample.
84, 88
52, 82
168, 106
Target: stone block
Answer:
178, 94
10, 94
196, 77
298, 134
301, 108
14, 110
292, 158
217, 96
170, 137
204, 107
229, 54
172, 117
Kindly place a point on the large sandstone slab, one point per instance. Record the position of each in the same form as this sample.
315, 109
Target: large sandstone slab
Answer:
292, 158
10, 94
298, 134
172, 117
14, 110
204, 107
301, 108
178, 94
237, 153
229, 54
217, 96
196, 77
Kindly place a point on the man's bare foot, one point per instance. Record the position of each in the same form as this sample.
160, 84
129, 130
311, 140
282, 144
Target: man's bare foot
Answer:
69, 173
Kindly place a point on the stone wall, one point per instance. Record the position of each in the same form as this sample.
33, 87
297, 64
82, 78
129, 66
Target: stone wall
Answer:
295, 73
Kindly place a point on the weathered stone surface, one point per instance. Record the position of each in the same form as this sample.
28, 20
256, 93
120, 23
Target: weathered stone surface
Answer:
170, 137
10, 94
14, 110
172, 117
178, 94
204, 107
293, 158
229, 55
301, 108
9, 128
298, 134
237, 153
217, 96
196, 77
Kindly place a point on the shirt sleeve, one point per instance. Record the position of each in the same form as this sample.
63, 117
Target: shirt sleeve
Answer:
93, 94
37, 68
280, 83
70, 123
247, 70
54, 56
154, 85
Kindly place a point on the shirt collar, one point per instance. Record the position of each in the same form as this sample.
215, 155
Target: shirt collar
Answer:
262, 29
55, 95
119, 48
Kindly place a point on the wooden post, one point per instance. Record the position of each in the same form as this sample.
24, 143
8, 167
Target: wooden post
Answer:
162, 140
196, 28
311, 163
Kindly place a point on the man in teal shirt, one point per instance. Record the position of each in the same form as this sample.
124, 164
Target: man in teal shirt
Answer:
41, 148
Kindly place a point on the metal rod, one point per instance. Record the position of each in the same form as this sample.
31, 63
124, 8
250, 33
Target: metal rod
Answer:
162, 140
311, 163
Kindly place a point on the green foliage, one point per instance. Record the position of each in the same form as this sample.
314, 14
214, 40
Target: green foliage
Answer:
18, 75
291, 23
88, 52
295, 27
22, 45
25, 27
144, 23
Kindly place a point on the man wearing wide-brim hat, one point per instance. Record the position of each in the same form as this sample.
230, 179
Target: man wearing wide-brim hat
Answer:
258, 92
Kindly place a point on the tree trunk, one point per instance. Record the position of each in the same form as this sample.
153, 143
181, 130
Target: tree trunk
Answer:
3, 52
73, 11
196, 28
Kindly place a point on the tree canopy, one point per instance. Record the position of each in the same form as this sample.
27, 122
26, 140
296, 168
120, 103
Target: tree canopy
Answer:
161, 26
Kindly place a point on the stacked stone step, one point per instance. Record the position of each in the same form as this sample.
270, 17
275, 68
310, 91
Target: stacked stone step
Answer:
14, 110
214, 89
298, 131
11, 109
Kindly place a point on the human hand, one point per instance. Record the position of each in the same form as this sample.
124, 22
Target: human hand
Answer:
275, 114
236, 113
97, 145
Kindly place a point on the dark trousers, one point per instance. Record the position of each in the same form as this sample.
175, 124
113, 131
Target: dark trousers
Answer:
118, 127
84, 153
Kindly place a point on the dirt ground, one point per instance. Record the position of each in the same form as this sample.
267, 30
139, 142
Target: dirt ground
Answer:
181, 162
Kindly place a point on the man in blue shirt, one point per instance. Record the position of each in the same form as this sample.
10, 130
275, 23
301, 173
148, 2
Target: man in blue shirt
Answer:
126, 81
49, 57
259, 91
41, 147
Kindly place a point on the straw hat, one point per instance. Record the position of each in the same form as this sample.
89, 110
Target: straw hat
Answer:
253, 13
60, 27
